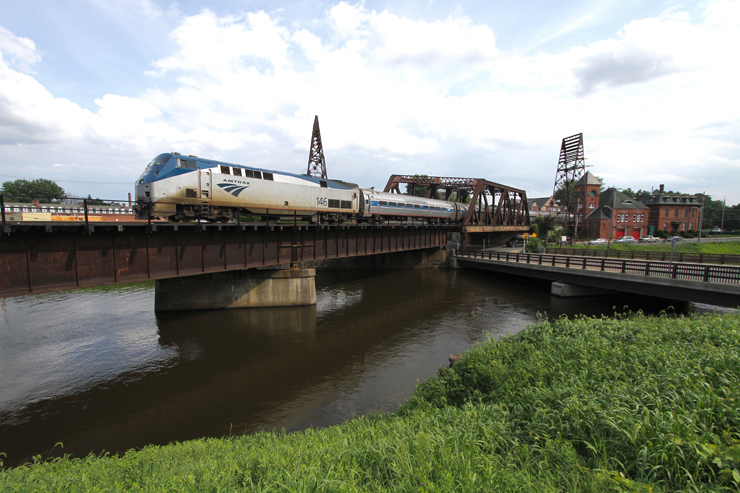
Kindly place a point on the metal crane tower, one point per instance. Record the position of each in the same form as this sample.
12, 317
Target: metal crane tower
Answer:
316, 161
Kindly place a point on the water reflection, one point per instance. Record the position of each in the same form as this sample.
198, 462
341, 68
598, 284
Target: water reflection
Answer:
98, 370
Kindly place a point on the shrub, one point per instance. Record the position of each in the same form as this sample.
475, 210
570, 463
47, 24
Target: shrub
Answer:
534, 245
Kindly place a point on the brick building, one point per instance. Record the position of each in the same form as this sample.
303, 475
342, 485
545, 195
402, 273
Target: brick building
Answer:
588, 191
617, 215
671, 212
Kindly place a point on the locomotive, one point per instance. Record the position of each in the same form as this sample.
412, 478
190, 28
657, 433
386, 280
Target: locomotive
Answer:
187, 188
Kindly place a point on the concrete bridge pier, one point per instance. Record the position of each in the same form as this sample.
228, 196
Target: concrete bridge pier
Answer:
236, 289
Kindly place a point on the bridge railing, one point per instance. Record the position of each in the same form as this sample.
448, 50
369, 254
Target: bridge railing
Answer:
697, 258
725, 274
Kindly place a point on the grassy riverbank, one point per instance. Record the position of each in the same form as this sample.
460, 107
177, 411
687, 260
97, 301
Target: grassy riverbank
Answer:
719, 248
624, 404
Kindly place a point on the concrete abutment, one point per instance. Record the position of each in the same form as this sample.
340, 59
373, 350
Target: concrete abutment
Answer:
236, 289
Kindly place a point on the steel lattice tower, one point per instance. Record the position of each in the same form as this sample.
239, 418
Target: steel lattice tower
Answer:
571, 167
316, 161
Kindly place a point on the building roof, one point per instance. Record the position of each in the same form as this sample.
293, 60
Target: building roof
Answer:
589, 179
620, 201
539, 202
669, 200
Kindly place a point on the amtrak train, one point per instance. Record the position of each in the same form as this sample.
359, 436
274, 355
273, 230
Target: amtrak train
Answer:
186, 188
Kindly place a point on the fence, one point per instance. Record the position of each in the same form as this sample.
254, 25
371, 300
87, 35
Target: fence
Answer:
724, 274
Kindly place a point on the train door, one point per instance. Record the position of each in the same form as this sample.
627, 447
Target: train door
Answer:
205, 183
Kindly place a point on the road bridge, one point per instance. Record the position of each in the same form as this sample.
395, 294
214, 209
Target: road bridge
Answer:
704, 283
43, 257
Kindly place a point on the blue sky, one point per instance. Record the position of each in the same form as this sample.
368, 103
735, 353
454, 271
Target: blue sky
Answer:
91, 90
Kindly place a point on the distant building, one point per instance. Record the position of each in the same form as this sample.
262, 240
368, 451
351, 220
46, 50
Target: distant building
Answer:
673, 213
543, 206
617, 215
588, 191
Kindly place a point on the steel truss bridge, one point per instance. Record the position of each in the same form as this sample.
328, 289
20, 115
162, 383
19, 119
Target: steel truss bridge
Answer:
491, 207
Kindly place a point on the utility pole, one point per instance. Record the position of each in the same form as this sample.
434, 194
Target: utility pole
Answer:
701, 216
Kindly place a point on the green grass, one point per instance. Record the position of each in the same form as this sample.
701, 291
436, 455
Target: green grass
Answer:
728, 247
619, 404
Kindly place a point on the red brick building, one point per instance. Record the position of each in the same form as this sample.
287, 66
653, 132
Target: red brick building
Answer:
671, 212
617, 215
588, 191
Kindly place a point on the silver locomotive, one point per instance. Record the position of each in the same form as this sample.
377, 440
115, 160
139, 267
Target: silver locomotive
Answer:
186, 188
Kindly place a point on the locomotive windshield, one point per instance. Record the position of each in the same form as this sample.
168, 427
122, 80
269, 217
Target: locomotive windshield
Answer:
160, 160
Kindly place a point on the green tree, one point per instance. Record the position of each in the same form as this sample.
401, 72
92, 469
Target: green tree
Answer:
92, 201
26, 190
417, 190
543, 225
561, 194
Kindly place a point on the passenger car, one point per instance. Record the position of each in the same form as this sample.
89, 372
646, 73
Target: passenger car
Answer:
648, 239
625, 239
671, 238
597, 241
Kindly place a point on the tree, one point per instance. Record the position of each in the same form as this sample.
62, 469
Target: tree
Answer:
92, 201
543, 225
26, 190
561, 194
417, 190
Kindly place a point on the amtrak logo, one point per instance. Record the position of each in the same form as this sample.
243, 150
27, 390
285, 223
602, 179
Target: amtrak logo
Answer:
233, 189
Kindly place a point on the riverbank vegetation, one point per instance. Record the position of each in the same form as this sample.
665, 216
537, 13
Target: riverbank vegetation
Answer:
629, 403
724, 247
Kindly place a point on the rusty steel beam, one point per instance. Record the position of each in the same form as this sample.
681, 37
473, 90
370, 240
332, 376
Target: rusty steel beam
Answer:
43, 258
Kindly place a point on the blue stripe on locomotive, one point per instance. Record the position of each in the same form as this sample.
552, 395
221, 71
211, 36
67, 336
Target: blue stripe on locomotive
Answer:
165, 166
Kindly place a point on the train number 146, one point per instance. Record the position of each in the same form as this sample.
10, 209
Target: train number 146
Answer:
322, 201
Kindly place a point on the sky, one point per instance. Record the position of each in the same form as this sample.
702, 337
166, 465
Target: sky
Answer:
92, 90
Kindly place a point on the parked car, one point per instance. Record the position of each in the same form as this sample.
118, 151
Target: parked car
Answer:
514, 240
597, 241
648, 239
625, 239
671, 238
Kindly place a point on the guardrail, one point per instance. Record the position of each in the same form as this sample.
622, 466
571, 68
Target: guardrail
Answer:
697, 258
724, 274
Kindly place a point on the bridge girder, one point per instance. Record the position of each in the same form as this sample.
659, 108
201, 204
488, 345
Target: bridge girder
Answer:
491, 206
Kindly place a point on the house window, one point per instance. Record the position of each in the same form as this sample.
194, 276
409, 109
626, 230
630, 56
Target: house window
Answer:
666, 212
676, 214
685, 213
665, 226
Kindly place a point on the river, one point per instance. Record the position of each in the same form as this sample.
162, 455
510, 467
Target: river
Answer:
97, 370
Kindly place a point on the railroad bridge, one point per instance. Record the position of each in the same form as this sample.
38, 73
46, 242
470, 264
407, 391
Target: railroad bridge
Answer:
37, 257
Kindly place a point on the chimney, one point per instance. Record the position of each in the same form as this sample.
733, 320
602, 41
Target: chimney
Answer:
662, 188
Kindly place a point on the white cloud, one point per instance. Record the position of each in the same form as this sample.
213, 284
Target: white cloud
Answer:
397, 95
19, 52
